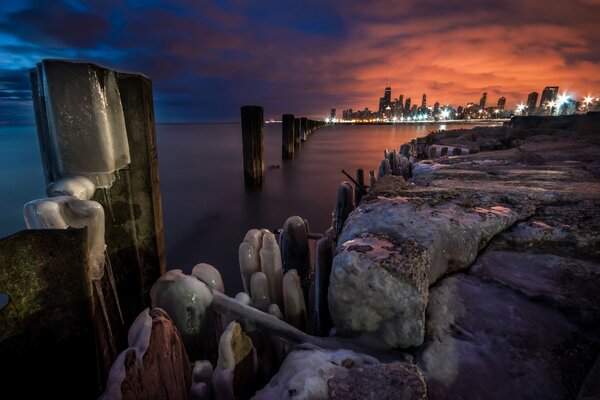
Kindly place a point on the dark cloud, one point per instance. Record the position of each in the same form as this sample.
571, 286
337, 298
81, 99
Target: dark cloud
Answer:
206, 58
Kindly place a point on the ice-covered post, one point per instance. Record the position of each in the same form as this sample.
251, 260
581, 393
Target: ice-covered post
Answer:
252, 136
96, 125
287, 138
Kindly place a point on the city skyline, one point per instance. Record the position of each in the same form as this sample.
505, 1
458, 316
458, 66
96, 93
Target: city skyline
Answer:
207, 58
552, 102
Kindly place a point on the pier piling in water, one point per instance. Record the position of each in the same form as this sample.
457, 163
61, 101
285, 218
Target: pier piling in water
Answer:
296, 132
287, 138
253, 124
303, 134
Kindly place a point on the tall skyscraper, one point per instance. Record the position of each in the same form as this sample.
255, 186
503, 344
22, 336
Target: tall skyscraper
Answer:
401, 100
532, 101
381, 104
436, 107
501, 103
483, 100
549, 94
424, 101
388, 96
333, 113
407, 105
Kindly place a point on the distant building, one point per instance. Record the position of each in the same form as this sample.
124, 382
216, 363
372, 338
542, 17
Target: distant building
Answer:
381, 105
483, 100
501, 103
424, 102
548, 95
407, 105
401, 100
413, 109
532, 101
388, 96
436, 107
333, 113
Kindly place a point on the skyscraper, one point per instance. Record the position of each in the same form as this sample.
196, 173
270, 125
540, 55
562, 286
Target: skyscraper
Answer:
388, 96
549, 94
424, 102
532, 101
436, 107
501, 103
483, 100
401, 100
333, 113
407, 105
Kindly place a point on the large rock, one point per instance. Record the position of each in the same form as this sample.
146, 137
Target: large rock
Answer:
392, 249
486, 341
386, 286
379, 382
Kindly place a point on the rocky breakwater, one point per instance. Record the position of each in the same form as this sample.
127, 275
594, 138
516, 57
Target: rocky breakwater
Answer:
486, 265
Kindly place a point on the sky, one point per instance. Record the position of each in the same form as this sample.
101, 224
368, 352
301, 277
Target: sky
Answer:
207, 58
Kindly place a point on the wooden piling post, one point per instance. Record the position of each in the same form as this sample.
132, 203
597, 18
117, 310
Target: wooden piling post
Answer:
296, 132
287, 136
358, 192
253, 124
48, 317
303, 134
69, 98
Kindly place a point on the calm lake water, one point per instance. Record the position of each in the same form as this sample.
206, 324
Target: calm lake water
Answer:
206, 208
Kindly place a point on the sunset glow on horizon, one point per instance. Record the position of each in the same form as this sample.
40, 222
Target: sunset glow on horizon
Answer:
207, 58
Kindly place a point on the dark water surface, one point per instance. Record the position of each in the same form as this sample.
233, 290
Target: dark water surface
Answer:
206, 208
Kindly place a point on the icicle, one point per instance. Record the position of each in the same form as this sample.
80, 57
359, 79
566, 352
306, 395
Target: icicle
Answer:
106, 193
98, 287
113, 285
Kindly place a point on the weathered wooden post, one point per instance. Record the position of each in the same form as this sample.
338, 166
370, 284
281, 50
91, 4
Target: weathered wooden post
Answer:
48, 318
297, 135
287, 136
358, 191
99, 124
303, 134
253, 124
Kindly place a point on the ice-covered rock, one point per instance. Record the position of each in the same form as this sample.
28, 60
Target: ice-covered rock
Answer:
187, 300
380, 288
305, 374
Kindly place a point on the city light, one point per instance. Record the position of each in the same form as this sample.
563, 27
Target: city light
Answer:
588, 100
520, 108
445, 114
563, 99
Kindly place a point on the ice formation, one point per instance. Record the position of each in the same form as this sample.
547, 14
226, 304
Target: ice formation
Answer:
185, 299
293, 300
79, 187
209, 275
66, 211
270, 263
85, 131
304, 374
